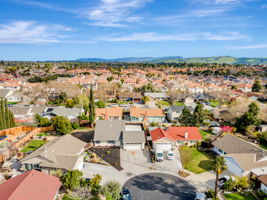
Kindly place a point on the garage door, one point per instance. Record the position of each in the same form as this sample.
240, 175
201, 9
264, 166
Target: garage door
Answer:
163, 146
133, 146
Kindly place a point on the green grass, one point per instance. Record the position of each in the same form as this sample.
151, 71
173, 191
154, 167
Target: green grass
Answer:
163, 103
214, 103
264, 146
205, 134
178, 103
196, 161
33, 145
239, 196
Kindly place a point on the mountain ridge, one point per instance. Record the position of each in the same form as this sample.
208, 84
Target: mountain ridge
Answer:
180, 59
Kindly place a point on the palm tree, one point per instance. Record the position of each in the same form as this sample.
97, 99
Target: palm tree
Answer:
219, 167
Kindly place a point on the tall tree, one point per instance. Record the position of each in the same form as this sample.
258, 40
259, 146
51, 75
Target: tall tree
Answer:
91, 107
1, 115
257, 87
248, 118
219, 167
6, 116
198, 115
186, 118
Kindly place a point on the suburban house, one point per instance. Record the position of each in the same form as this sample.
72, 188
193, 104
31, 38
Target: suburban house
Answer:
241, 156
61, 153
31, 185
167, 139
25, 113
174, 112
71, 113
263, 182
10, 95
146, 115
109, 113
118, 133
156, 95
189, 101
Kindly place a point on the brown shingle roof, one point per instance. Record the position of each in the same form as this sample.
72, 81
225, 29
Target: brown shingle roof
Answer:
109, 112
138, 112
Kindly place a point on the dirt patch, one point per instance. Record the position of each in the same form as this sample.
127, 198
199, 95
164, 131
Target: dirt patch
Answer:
110, 155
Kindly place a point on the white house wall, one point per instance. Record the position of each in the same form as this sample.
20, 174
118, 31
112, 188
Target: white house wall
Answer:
233, 167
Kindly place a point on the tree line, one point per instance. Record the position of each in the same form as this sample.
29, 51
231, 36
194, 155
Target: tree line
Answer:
6, 116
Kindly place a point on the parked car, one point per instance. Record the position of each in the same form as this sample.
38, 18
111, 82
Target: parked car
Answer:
125, 194
170, 155
200, 196
159, 155
222, 180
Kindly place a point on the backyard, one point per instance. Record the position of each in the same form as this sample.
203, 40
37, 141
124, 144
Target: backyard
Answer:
33, 145
196, 161
239, 196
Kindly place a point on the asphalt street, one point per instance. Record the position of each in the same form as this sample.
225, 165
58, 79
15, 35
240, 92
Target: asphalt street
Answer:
160, 186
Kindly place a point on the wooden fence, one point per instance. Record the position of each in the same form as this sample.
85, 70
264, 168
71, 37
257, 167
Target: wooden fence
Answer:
32, 131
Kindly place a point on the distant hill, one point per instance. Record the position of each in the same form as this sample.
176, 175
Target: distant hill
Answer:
179, 59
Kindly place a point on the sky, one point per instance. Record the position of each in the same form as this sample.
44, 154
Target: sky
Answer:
72, 29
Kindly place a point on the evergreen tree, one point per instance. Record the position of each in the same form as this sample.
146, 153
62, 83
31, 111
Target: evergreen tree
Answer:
1, 115
91, 107
4, 114
248, 118
198, 115
257, 87
7, 116
186, 118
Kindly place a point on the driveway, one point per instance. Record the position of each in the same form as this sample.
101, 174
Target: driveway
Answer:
138, 162
159, 186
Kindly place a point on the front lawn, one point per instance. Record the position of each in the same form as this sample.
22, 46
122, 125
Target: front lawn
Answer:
214, 103
239, 196
196, 161
33, 145
178, 103
205, 134
163, 103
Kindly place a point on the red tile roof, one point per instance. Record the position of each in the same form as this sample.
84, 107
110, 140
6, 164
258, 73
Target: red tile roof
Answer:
176, 133
31, 185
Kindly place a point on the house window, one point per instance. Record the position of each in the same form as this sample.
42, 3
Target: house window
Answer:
97, 142
111, 142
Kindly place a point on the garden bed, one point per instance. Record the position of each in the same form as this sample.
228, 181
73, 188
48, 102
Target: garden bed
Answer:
109, 154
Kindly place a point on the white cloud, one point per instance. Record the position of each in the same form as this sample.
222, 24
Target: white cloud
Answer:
258, 46
226, 1
264, 6
44, 5
114, 13
155, 37
30, 32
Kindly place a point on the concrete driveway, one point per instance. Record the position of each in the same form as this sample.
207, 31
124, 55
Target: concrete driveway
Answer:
170, 165
159, 186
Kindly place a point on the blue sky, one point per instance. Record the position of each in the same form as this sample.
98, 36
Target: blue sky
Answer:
71, 29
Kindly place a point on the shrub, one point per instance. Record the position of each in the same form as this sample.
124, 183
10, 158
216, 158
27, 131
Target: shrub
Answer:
75, 125
112, 189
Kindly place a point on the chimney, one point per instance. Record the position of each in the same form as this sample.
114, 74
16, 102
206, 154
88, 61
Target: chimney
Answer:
185, 134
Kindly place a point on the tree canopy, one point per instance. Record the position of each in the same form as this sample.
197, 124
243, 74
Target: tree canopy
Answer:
62, 125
